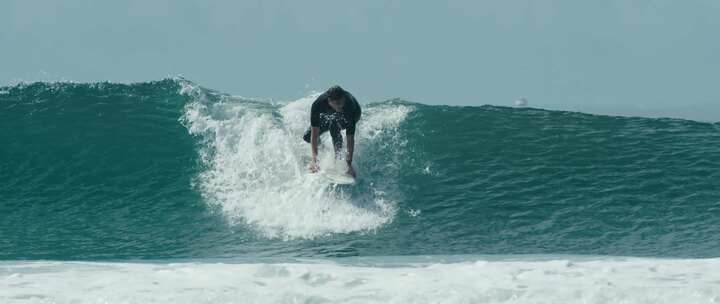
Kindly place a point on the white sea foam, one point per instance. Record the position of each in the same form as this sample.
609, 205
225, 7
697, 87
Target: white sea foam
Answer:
257, 166
563, 280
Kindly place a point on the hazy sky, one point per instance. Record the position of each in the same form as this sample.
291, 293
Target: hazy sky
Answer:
629, 56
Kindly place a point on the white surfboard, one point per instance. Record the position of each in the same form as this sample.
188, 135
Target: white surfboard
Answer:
338, 178
333, 171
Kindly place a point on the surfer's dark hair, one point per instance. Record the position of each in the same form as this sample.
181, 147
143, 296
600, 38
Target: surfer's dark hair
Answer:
335, 93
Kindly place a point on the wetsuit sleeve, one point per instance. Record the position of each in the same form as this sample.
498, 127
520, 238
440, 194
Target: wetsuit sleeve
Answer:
315, 112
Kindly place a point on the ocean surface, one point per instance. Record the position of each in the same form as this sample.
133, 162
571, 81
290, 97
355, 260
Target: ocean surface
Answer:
169, 192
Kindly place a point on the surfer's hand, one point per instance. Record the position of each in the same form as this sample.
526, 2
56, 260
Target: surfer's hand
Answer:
351, 171
314, 168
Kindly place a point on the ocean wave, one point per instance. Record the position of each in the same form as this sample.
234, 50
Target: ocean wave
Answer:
172, 169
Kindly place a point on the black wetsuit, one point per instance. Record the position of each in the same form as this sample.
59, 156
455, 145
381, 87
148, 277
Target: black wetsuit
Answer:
324, 117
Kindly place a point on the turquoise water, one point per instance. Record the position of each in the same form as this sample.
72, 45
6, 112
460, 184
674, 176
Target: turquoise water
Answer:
168, 169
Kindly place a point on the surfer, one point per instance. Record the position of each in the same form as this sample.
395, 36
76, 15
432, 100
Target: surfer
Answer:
333, 111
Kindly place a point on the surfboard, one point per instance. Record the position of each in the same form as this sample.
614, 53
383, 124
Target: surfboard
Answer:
337, 177
333, 171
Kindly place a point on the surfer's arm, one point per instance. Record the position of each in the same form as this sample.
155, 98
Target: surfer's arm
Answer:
350, 150
314, 131
350, 147
350, 135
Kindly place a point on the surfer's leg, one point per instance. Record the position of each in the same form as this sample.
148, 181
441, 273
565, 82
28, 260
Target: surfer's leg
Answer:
308, 133
336, 137
306, 137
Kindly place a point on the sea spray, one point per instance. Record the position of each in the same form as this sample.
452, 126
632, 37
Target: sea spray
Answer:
257, 172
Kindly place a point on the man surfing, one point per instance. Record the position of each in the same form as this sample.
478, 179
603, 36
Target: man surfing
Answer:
333, 111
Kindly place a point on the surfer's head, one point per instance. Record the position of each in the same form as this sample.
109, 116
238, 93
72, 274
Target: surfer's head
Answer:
336, 98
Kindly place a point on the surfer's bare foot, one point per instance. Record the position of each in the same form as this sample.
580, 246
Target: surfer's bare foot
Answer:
351, 171
314, 168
